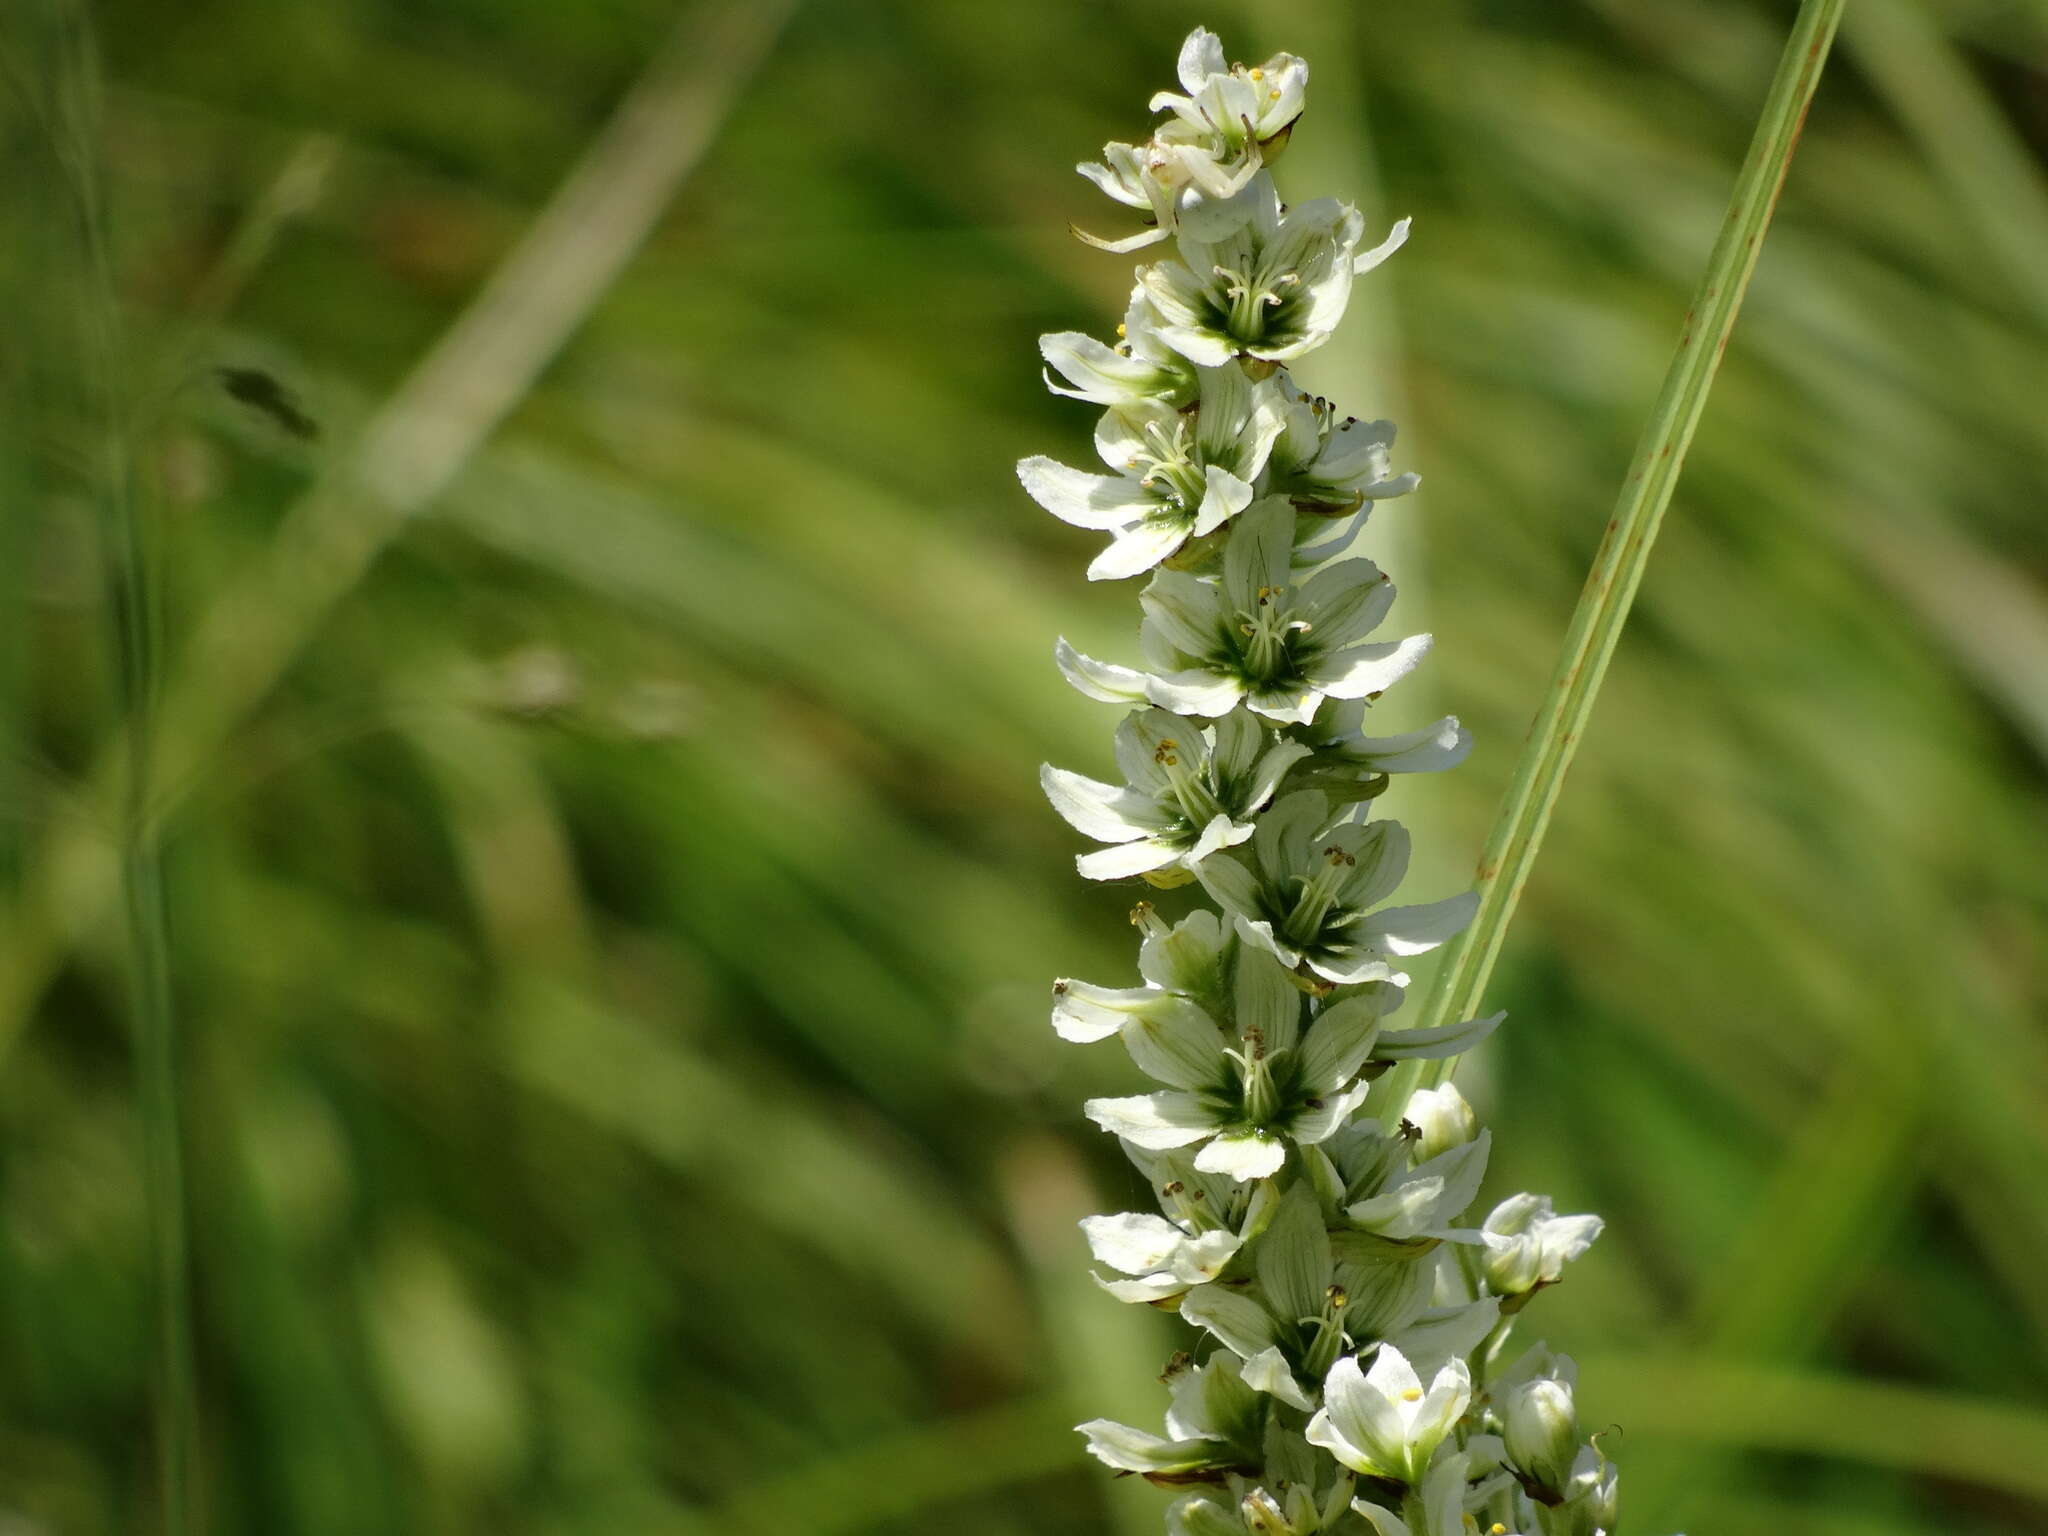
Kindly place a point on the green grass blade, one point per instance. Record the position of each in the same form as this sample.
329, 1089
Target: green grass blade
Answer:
130, 609
1625, 551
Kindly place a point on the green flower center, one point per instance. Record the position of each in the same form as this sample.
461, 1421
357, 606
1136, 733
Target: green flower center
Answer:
1247, 296
1169, 467
1194, 797
1318, 895
1268, 630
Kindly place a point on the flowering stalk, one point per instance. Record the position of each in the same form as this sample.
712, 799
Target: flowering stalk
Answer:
1351, 1369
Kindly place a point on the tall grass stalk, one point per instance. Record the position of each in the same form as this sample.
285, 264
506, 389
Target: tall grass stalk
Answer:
1624, 552
132, 619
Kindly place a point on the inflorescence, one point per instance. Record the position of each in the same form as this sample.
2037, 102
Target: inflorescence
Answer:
1352, 1370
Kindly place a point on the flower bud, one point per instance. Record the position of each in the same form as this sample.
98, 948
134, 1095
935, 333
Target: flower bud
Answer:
1589, 1504
1542, 1430
1443, 1117
1528, 1244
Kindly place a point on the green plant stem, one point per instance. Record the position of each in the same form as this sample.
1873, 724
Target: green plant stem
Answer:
133, 625
1625, 550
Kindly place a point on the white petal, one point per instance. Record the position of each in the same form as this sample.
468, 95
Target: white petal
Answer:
1195, 692
1243, 1155
1266, 1000
1383, 1521
1100, 502
1121, 247
1101, 680
1435, 747
1109, 813
1223, 497
1177, 1043
1350, 966
1365, 261
1201, 56
1268, 1371
1136, 550
1135, 1243
1338, 1043
1233, 886
1183, 611
1220, 833
1133, 1450
1316, 1125
1238, 1321
1260, 552
1368, 669
1125, 860
1434, 1044
1084, 1012
1145, 1289
1154, 1121
1369, 1434
1272, 769
1419, 929
1097, 372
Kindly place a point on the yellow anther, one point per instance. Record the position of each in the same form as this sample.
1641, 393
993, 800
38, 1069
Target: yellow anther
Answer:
1412, 1395
1121, 330
1496, 1529
1273, 95
1258, 73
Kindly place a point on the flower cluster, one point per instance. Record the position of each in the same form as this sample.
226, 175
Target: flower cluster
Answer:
1354, 1316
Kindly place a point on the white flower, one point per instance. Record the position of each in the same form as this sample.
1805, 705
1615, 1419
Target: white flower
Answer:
1216, 1420
1166, 1257
1276, 1086
1221, 128
1191, 176
1139, 367
1271, 289
1190, 789
1256, 638
1308, 893
1179, 474
1422, 1202
1528, 1244
1332, 466
1383, 1422
1347, 761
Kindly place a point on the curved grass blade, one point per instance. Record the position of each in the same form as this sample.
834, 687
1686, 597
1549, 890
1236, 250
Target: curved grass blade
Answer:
1625, 551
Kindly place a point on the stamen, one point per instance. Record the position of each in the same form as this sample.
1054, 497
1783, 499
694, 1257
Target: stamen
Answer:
1318, 895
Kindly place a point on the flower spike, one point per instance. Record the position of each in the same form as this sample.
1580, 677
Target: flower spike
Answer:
1356, 1306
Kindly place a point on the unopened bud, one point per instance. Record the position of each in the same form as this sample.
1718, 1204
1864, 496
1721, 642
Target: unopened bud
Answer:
1542, 1431
1444, 1119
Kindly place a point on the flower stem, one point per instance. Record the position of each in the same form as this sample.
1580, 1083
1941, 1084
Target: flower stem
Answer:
1625, 551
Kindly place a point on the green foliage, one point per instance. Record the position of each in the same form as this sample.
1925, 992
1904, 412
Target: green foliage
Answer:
610, 905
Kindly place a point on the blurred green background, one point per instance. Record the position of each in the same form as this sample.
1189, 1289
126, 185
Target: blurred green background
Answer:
612, 906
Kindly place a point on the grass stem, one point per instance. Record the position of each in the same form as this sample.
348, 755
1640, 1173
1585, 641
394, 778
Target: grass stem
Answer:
1624, 552
133, 624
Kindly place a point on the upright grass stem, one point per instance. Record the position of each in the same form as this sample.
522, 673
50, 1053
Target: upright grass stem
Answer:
132, 623
1625, 551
